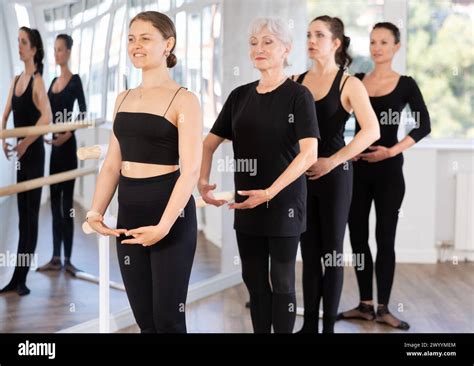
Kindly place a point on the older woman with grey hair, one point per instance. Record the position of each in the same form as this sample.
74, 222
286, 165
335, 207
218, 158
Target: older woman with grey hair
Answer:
273, 128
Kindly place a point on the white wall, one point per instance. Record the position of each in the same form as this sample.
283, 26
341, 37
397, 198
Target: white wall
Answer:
427, 215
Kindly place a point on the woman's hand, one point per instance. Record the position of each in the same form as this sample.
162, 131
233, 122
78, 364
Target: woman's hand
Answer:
97, 224
20, 149
255, 197
205, 189
7, 150
322, 167
378, 153
146, 235
59, 139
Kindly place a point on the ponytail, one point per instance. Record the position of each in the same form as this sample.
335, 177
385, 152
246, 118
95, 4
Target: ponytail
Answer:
336, 27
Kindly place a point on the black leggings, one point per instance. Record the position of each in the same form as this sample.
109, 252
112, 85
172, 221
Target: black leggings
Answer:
63, 158
276, 304
384, 184
328, 203
156, 278
31, 166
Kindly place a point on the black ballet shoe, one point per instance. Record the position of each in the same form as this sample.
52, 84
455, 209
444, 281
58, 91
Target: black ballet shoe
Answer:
382, 310
71, 269
22, 290
12, 286
53, 265
363, 308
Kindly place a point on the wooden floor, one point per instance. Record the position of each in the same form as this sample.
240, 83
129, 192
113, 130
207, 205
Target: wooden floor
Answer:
436, 298
59, 301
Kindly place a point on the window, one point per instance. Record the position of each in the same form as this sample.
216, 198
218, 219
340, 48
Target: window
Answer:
22, 16
116, 67
97, 68
76, 13
440, 57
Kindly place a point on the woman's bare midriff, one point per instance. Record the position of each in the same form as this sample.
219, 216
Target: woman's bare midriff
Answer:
142, 170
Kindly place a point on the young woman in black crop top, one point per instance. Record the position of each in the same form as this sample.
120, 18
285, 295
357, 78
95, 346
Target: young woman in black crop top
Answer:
329, 183
154, 157
29, 102
378, 174
63, 92
273, 127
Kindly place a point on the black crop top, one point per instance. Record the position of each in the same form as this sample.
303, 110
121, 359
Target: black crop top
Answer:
389, 107
146, 137
332, 117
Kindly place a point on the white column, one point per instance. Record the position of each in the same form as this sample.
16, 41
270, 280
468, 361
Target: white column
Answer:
396, 12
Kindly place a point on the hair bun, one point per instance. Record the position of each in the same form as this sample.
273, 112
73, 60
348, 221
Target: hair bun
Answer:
171, 60
347, 41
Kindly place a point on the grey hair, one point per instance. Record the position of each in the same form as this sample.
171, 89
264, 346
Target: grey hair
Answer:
275, 25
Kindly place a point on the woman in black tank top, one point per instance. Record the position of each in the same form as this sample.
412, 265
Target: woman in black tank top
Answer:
29, 102
330, 178
156, 224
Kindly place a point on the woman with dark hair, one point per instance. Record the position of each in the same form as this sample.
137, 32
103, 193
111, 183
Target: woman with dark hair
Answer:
336, 95
378, 174
273, 127
28, 100
63, 92
157, 128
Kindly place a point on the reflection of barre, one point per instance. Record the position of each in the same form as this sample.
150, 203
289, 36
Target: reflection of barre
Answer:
111, 221
44, 129
95, 279
44, 181
92, 152
300, 312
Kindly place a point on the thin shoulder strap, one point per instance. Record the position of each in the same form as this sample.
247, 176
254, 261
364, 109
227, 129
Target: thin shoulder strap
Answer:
174, 96
128, 91
301, 77
344, 83
16, 81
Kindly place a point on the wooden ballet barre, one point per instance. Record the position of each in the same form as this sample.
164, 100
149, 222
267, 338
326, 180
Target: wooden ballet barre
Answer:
44, 129
95, 152
45, 181
91, 152
228, 196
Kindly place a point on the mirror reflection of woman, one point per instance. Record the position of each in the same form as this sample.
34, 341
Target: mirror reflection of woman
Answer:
154, 156
28, 101
63, 92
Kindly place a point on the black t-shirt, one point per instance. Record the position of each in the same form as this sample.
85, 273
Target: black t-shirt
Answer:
265, 129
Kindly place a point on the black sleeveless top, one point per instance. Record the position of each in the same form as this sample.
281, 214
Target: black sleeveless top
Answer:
24, 110
146, 137
332, 117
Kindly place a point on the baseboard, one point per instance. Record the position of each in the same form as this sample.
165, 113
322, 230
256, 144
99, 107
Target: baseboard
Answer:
124, 318
417, 256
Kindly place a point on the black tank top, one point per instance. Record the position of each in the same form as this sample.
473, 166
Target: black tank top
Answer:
146, 137
24, 110
332, 117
